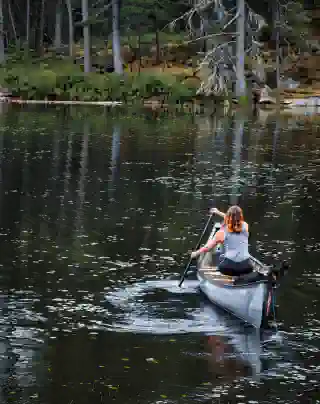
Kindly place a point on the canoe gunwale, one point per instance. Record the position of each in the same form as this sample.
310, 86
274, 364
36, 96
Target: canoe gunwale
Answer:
233, 286
219, 283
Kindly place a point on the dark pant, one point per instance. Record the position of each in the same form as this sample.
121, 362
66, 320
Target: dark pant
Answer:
231, 268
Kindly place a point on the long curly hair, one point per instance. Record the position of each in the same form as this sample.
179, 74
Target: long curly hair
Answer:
234, 219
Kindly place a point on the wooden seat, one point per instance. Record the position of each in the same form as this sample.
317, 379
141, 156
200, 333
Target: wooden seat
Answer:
211, 274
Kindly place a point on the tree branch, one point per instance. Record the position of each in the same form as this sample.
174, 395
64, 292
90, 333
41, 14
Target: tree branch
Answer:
201, 38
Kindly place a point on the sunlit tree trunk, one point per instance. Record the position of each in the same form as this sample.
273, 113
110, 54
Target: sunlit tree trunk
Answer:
58, 27
2, 51
240, 53
86, 36
116, 46
71, 28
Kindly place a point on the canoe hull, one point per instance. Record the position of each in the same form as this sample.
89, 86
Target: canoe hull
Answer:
246, 302
248, 297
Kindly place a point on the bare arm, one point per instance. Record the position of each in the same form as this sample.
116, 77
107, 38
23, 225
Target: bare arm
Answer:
218, 239
217, 212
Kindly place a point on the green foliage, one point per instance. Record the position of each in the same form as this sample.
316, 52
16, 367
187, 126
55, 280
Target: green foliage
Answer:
298, 22
67, 82
243, 101
151, 13
148, 38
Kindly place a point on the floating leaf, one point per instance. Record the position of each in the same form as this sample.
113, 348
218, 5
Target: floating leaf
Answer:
152, 360
172, 340
36, 395
112, 387
125, 359
127, 367
163, 396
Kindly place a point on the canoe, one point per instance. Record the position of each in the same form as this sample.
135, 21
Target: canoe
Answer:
248, 297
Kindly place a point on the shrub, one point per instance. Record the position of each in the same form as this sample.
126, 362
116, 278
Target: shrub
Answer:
66, 81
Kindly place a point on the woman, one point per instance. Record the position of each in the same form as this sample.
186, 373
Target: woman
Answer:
234, 235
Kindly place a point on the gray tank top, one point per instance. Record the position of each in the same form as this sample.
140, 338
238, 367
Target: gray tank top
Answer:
236, 246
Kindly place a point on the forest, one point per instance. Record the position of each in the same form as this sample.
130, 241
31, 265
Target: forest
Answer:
174, 50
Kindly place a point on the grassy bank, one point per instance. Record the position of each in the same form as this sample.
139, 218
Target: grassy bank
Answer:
63, 80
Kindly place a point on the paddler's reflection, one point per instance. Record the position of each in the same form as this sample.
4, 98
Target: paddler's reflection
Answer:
224, 362
234, 351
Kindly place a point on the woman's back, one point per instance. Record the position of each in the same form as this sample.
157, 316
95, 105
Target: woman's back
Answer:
236, 244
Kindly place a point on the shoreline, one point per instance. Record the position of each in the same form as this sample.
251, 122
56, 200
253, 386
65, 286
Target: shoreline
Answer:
9, 100
306, 105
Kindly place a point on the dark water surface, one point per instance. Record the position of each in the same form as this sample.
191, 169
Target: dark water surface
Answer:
97, 214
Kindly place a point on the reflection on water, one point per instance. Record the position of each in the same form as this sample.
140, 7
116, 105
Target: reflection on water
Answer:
159, 307
97, 213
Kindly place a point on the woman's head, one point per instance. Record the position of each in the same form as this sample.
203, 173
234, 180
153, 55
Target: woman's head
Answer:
234, 219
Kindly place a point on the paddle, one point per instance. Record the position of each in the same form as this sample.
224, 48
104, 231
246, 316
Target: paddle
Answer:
198, 245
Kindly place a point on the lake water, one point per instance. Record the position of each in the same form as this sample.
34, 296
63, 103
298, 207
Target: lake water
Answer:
98, 213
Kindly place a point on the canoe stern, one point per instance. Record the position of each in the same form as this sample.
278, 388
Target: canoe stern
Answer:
245, 302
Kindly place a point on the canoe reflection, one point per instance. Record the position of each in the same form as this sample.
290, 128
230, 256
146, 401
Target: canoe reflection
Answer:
235, 350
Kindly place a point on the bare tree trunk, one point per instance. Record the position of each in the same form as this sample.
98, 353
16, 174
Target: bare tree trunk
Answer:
12, 22
41, 26
71, 28
28, 25
58, 27
240, 53
86, 37
139, 49
2, 51
157, 45
277, 31
204, 23
116, 47
156, 29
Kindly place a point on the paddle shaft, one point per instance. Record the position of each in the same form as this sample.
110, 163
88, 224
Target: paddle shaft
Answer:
198, 245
